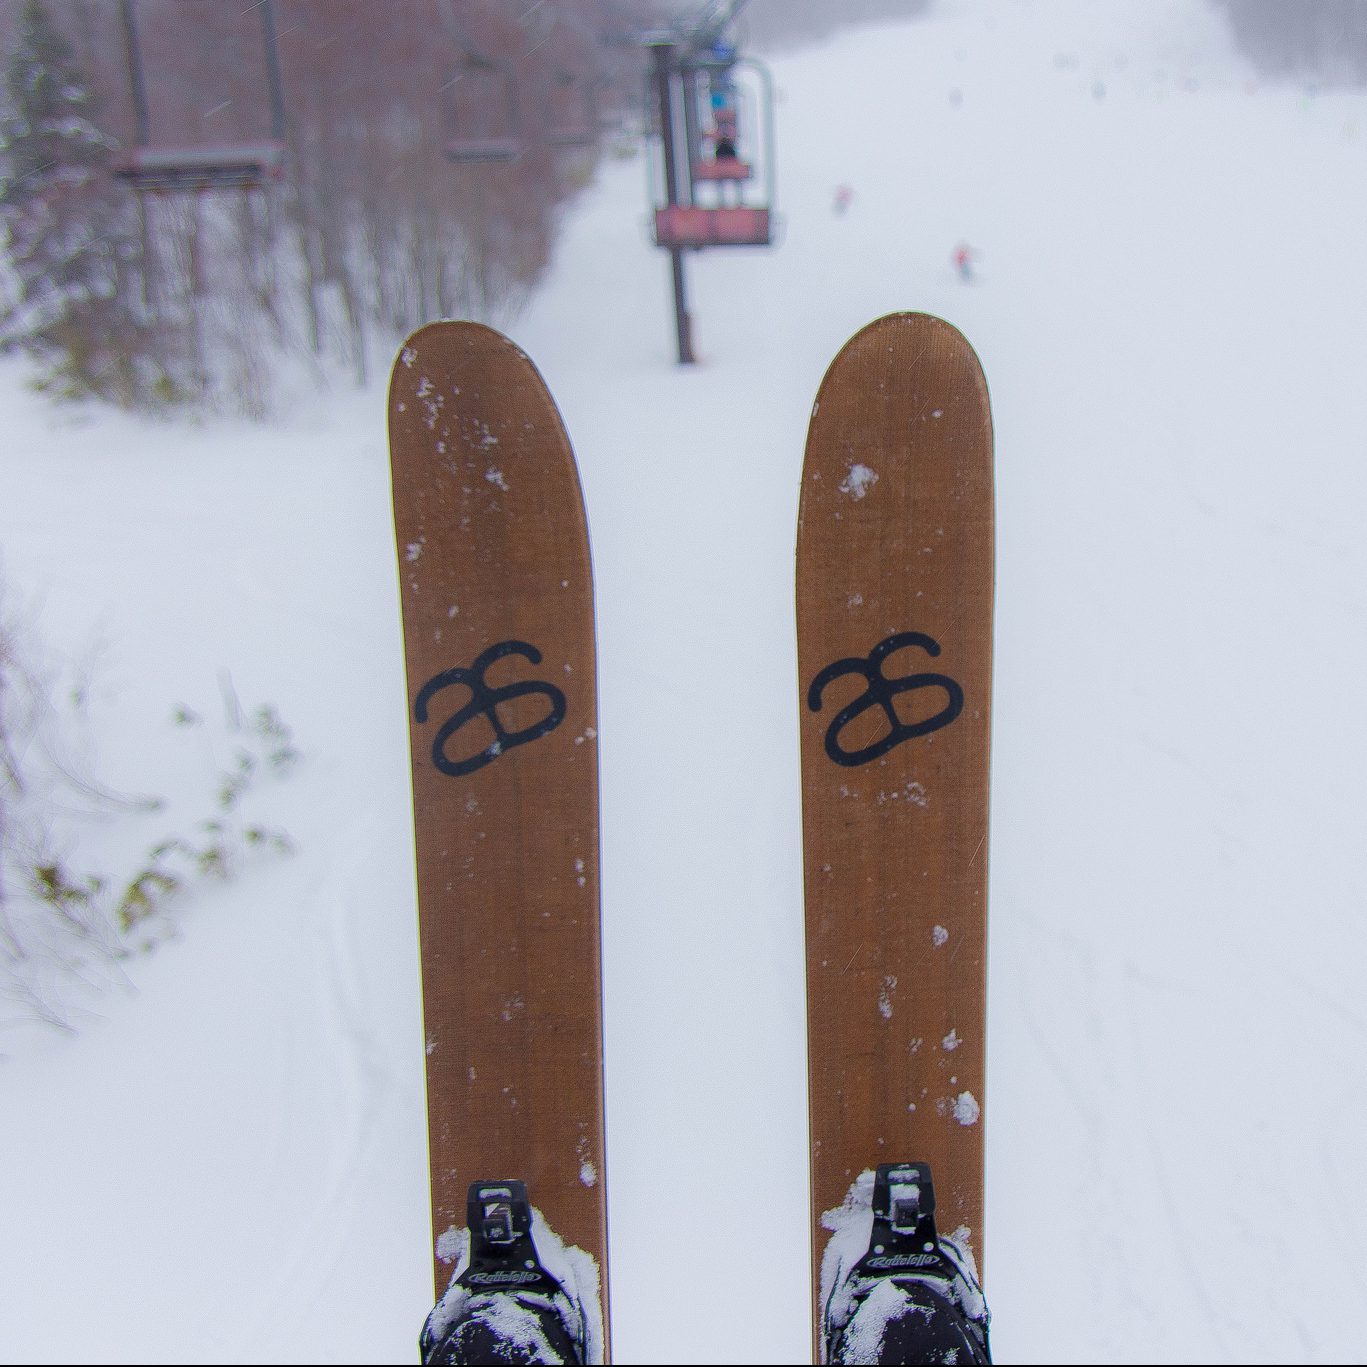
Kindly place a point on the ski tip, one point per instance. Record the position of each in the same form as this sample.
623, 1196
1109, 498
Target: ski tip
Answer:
887, 352
454, 337
924, 326
457, 356
911, 336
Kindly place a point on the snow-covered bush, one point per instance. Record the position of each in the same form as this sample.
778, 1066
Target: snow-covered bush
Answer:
90, 876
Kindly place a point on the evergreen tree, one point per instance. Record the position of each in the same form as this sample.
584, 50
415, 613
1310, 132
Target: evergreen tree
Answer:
69, 236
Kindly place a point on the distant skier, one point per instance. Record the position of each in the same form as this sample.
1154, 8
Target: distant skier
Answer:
844, 197
725, 119
964, 257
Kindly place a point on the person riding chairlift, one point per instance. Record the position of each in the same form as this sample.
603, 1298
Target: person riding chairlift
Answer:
724, 146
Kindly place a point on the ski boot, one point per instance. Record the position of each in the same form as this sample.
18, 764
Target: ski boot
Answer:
504, 1307
914, 1296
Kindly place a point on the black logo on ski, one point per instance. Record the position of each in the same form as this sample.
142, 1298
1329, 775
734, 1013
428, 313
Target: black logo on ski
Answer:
484, 702
880, 693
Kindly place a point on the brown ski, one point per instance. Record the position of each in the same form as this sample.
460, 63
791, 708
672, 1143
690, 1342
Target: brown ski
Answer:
894, 609
497, 601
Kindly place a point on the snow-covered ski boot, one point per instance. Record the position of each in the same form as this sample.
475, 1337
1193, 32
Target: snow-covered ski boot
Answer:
913, 1297
504, 1306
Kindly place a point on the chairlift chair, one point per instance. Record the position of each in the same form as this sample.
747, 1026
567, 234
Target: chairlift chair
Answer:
724, 170
228, 166
724, 165
574, 113
490, 133
691, 227
684, 220
695, 225
146, 167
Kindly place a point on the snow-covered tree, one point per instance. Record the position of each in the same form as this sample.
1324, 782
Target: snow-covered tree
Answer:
69, 237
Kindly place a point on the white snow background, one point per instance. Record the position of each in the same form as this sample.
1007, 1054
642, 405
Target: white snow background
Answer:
229, 1164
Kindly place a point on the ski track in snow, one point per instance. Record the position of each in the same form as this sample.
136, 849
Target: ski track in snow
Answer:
1172, 341
365, 1075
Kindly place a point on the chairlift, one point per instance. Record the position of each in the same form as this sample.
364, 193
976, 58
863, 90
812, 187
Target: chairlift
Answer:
574, 112
486, 117
206, 166
692, 228
229, 166
691, 218
701, 191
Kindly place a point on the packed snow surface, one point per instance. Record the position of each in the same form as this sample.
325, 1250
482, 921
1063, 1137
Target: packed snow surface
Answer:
1169, 300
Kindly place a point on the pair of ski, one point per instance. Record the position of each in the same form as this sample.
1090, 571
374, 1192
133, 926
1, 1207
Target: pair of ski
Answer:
894, 606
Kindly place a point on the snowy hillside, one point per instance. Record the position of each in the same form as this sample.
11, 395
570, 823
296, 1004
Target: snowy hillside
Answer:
1171, 309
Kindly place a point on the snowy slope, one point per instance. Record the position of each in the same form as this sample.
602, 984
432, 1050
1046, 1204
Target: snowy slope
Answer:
1171, 312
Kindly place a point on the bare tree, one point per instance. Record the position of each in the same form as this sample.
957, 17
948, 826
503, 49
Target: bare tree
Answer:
372, 230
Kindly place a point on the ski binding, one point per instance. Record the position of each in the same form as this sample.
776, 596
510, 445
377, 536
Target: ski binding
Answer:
503, 1256
912, 1291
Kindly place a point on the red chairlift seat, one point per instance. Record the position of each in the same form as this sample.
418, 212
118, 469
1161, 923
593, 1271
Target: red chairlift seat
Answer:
723, 169
688, 226
209, 166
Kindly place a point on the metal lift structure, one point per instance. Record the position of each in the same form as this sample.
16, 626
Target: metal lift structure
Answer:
161, 168
713, 178
485, 119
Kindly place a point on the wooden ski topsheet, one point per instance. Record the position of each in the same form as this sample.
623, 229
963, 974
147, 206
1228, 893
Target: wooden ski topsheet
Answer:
497, 599
894, 610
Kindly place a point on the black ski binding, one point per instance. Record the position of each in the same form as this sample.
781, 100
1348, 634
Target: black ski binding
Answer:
502, 1254
505, 1306
942, 1317
904, 1237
